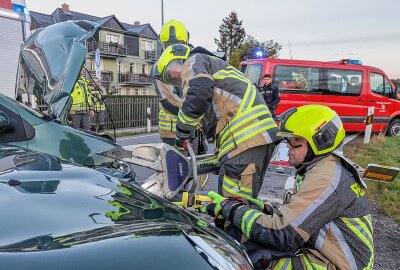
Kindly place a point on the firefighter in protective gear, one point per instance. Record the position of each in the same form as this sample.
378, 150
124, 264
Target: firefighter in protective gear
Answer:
326, 223
98, 106
81, 107
238, 120
170, 96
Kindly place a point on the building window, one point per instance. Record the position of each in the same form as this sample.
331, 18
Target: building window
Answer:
120, 69
144, 69
147, 45
90, 64
132, 67
112, 38
136, 92
144, 92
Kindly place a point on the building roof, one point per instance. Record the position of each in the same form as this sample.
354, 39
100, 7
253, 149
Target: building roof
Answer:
58, 15
144, 30
42, 19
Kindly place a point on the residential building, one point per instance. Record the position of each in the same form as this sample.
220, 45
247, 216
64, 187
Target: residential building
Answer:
128, 51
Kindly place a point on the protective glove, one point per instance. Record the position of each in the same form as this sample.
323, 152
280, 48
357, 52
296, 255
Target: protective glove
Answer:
181, 145
215, 208
259, 205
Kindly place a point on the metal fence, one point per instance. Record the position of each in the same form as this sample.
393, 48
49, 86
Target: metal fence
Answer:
126, 111
131, 111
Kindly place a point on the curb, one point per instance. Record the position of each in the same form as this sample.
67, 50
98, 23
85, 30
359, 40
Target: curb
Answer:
131, 131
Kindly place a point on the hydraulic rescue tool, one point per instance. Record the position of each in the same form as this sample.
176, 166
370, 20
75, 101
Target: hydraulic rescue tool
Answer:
173, 170
194, 200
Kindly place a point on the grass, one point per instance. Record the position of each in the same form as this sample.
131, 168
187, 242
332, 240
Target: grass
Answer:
385, 151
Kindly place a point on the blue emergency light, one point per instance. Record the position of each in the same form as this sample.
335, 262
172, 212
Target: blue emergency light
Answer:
259, 53
355, 62
18, 8
351, 61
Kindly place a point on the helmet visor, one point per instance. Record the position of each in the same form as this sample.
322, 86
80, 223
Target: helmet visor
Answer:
172, 73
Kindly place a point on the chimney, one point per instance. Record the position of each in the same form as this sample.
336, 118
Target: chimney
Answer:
136, 23
65, 8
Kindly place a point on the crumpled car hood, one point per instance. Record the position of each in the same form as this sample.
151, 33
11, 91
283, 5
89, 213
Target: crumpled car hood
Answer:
62, 216
50, 62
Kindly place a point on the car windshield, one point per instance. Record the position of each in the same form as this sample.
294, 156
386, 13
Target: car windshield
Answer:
253, 72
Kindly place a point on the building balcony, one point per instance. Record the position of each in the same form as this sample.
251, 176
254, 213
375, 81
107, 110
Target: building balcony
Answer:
150, 55
107, 48
134, 78
107, 77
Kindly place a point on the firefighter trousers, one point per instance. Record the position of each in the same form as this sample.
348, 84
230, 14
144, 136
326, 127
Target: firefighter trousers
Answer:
98, 118
80, 120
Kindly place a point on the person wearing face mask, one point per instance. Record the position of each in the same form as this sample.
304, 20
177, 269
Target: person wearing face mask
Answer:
326, 223
238, 120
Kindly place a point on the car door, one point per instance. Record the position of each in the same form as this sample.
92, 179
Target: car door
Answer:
343, 92
379, 98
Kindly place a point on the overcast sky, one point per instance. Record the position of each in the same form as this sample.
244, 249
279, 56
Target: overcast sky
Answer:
368, 30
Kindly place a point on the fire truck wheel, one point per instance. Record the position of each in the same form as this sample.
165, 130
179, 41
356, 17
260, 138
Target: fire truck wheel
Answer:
394, 128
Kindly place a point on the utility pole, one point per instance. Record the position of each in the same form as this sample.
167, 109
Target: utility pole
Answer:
290, 50
162, 12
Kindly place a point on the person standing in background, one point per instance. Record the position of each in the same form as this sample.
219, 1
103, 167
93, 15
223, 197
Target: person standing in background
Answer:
270, 94
81, 107
98, 106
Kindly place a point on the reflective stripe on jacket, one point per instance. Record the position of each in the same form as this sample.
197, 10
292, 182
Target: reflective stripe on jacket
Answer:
170, 102
81, 100
243, 119
167, 123
98, 103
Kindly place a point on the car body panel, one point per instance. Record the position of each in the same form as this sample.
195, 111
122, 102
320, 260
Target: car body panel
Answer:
54, 138
50, 63
62, 216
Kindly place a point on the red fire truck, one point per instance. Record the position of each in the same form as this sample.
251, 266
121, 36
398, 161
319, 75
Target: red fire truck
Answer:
347, 86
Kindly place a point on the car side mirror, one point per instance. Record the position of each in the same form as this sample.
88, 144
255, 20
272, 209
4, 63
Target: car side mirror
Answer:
5, 122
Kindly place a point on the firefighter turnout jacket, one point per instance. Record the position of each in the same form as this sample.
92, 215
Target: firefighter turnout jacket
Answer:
242, 120
170, 102
81, 101
98, 103
327, 221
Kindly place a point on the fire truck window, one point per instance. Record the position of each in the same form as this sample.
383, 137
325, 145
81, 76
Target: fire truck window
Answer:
295, 78
377, 83
388, 88
344, 82
253, 72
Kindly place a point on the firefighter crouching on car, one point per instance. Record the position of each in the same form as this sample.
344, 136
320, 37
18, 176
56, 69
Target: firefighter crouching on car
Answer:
172, 32
244, 131
326, 223
81, 107
98, 106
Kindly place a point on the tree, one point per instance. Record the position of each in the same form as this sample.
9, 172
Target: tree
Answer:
249, 46
231, 33
396, 82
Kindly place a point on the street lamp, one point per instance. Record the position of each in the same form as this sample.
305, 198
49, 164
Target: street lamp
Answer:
162, 12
